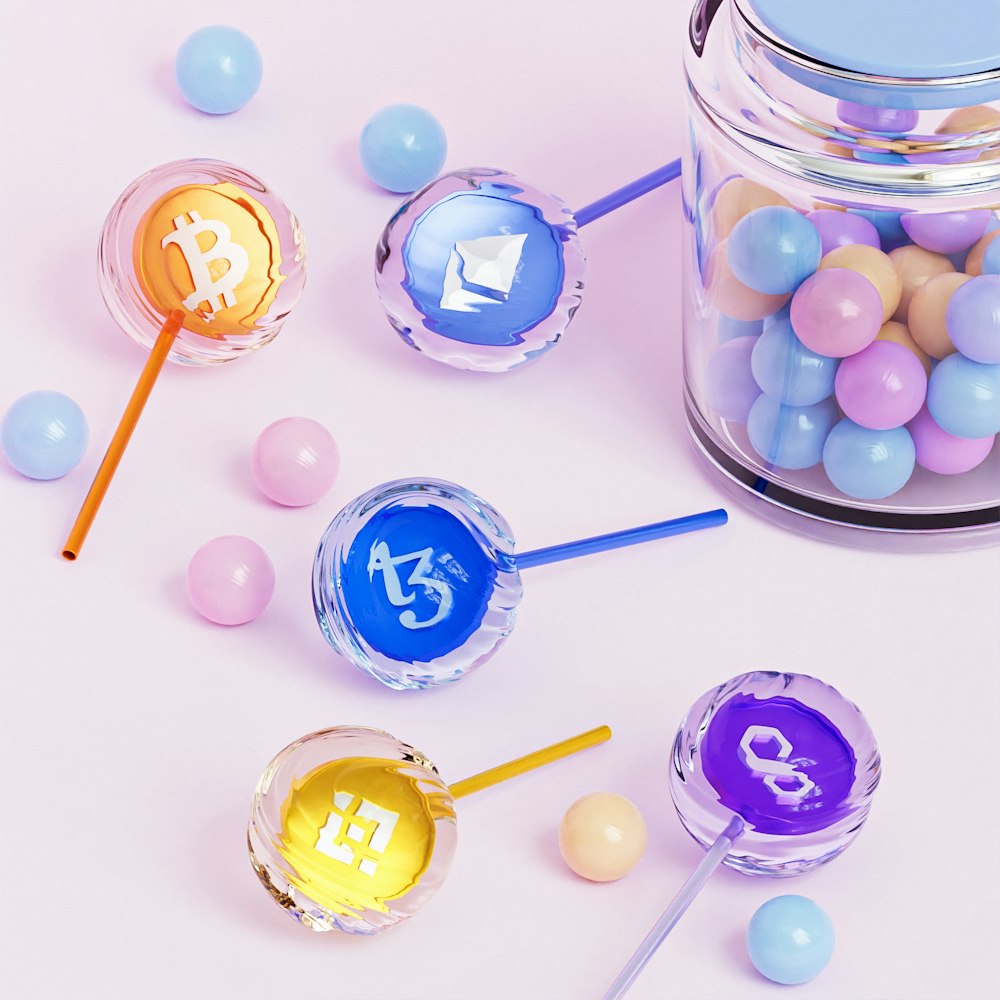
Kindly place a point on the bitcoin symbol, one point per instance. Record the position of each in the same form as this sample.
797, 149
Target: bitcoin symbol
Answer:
209, 287
382, 560
775, 768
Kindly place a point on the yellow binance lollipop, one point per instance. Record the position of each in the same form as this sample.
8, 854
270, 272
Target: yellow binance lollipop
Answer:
199, 262
352, 830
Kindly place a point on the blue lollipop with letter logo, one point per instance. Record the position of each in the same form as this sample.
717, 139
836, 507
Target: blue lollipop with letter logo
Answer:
416, 582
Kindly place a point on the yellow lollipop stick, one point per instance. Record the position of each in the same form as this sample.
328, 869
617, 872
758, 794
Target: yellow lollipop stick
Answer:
530, 761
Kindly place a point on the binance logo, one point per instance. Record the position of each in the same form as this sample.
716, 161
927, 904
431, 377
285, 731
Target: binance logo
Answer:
357, 832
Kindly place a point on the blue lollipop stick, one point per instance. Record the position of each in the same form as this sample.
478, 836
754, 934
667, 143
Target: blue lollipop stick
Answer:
677, 908
636, 189
619, 539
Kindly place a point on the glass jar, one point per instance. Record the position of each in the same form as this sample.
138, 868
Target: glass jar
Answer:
842, 256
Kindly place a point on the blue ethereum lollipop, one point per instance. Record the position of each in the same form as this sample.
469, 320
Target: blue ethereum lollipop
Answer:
481, 271
417, 583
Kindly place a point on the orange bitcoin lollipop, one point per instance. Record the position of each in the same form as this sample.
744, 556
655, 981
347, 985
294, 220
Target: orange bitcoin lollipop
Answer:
199, 262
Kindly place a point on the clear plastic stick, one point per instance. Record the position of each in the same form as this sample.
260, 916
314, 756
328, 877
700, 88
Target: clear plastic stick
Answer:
619, 539
530, 761
678, 905
601, 207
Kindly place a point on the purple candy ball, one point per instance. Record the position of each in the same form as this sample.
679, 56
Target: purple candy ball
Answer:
941, 452
889, 121
882, 387
729, 383
946, 232
836, 312
973, 319
841, 229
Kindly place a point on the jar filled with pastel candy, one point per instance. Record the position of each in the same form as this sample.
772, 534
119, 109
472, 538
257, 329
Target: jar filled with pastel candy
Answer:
842, 256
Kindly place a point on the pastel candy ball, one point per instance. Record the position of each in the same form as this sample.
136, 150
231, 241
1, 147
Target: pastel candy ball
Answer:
218, 69
738, 197
915, 266
991, 258
882, 386
791, 437
941, 452
295, 461
899, 333
977, 255
602, 837
946, 232
836, 312
875, 266
730, 387
44, 434
973, 319
790, 940
963, 397
774, 249
787, 370
927, 315
230, 580
728, 328
402, 148
889, 225
868, 464
730, 296
888, 121
841, 229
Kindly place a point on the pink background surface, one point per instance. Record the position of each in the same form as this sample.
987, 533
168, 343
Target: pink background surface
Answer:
133, 731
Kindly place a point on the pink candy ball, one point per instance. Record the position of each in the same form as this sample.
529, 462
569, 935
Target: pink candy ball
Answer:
230, 580
941, 452
836, 312
295, 461
882, 386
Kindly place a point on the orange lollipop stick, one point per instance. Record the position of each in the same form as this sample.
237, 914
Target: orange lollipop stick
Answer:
151, 370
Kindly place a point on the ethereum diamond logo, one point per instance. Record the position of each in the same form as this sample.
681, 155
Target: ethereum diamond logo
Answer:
481, 272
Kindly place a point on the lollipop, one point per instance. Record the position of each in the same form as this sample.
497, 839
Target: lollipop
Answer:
352, 830
481, 271
416, 582
199, 262
784, 766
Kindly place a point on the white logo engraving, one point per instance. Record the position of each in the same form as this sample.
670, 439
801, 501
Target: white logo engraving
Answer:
206, 288
356, 832
382, 560
775, 767
489, 263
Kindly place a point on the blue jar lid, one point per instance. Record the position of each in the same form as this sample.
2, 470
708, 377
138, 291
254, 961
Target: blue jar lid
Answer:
910, 39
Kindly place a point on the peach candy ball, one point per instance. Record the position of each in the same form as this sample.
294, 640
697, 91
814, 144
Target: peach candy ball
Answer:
875, 266
916, 266
739, 197
927, 312
602, 837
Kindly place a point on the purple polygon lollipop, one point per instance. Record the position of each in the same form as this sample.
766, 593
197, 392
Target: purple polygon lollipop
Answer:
773, 774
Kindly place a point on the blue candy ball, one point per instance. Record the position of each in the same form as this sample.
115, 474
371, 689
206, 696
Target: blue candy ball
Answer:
728, 328
218, 69
791, 437
44, 434
787, 370
991, 259
790, 940
868, 464
774, 249
964, 397
889, 226
973, 318
402, 148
